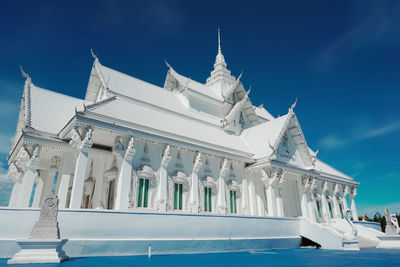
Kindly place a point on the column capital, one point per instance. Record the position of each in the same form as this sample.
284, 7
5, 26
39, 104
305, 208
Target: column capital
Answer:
15, 173
198, 163
336, 189
225, 168
26, 159
306, 182
325, 186
124, 147
81, 138
346, 191
353, 192
166, 159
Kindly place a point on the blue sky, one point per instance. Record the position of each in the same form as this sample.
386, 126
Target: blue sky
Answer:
340, 58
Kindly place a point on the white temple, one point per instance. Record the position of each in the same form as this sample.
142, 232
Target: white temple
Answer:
191, 150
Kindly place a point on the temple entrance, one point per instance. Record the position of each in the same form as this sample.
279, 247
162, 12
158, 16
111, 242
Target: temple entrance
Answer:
87, 200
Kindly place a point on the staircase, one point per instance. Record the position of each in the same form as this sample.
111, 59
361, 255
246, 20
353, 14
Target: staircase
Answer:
327, 236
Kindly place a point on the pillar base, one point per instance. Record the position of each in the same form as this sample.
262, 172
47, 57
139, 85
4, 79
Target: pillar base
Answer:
39, 251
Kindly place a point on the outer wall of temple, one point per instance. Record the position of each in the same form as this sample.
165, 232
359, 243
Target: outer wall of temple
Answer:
97, 233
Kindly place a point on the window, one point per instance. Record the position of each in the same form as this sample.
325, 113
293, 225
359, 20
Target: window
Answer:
207, 199
143, 192
330, 209
233, 201
178, 197
319, 209
341, 211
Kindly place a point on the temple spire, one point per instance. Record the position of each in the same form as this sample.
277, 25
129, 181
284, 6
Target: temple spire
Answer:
220, 76
219, 41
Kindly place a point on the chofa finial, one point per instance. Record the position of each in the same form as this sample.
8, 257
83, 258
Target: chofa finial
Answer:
93, 54
166, 63
24, 74
294, 104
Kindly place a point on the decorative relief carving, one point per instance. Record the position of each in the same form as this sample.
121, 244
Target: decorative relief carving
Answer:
197, 163
166, 159
225, 168
47, 226
82, 141
14, 173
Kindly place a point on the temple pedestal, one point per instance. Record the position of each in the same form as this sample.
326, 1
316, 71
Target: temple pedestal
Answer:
39, 251
389, 241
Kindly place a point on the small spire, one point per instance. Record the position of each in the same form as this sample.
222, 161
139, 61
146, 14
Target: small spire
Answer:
219, 40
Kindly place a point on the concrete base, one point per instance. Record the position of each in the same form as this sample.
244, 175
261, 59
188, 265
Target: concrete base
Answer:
389, 241
39, 251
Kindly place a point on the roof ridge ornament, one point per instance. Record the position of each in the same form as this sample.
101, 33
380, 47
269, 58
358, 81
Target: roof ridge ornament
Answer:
93, 54
24, 74
166, 63
293, 106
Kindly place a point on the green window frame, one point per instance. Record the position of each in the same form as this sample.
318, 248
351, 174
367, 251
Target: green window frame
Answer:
143, 192
207, 199
319, 209
178, 196
232, 195
330, 209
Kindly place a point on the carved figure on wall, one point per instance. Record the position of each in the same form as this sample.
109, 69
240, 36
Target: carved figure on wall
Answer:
352, 233
47, 226
390, 228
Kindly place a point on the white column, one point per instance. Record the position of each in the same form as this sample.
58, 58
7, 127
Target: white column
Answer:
26, 188
336, 207
345, 206
312, 207
304, 207
38, 192
271, 199
325, 208
245, 197
252, 196
65, 174
279, 201
14, 194
304, 196
124, 179
353, 205
221, 207
194, 191
79, 178
163, 188
260, 201
82, 146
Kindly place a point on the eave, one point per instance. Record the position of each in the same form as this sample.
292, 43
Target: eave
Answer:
127, 128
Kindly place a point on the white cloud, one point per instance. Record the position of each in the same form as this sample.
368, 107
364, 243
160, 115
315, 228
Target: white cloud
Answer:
386, 129
5, 187
332, 141
370, 22
5, 143
358, 133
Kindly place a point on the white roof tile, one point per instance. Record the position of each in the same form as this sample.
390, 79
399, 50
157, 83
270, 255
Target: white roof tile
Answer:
258, 137
167, 122
49, 111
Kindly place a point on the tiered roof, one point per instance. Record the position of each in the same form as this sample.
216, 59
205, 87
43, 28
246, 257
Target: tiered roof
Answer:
117, 98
